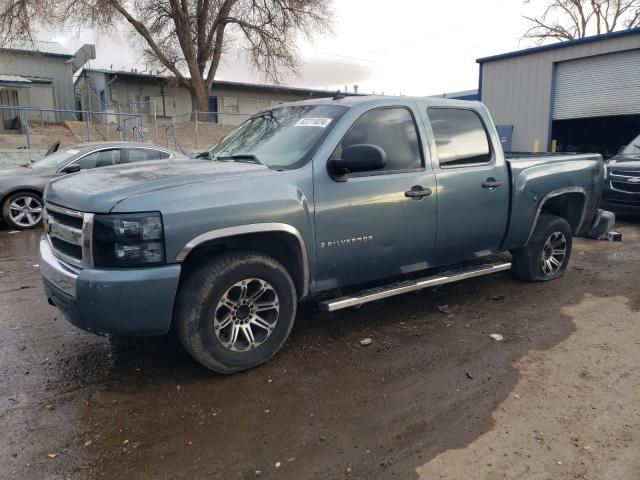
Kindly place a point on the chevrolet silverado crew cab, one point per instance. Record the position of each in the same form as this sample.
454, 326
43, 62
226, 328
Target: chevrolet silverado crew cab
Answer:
342, 201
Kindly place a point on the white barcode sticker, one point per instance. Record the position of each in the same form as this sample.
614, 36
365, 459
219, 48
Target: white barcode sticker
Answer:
313, 122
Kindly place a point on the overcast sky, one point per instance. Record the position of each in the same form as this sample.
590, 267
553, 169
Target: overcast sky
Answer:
409, 47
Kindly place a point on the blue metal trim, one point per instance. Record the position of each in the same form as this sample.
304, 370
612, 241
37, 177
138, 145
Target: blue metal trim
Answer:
15, 84
480, 84
565, 44
554, 72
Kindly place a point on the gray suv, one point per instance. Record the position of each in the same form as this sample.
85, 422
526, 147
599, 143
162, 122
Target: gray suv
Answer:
21, 188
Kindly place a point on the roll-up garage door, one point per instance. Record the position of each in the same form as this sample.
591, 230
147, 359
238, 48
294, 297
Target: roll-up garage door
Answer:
598, 86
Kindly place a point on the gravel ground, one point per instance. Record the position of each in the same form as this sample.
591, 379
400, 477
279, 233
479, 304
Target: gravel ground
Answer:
432, 397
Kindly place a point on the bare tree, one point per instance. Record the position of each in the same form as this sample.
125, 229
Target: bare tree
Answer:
571, 19
187, 38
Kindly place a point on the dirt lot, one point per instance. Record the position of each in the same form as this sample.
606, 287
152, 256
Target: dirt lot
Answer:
433, 397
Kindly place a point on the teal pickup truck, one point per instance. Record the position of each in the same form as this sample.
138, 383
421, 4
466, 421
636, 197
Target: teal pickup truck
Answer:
341, 201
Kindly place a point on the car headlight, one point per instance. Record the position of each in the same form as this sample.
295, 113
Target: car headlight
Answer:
128, 240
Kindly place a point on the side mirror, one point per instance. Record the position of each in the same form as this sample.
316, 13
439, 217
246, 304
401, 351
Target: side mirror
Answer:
360, 158
73, 168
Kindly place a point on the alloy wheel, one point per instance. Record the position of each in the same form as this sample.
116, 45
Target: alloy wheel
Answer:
25, 211
246, 314
554, 253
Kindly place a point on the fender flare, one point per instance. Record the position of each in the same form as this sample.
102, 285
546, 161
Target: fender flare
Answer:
557, 193
247, 230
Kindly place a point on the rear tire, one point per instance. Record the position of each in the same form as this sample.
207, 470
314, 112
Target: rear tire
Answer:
547, 255
235, 311
22, 210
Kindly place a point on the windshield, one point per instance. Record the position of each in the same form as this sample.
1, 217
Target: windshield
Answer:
278, 138
55, 159
633, 149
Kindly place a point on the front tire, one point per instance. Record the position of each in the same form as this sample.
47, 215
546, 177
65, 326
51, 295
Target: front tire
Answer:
235, 311
547, 255
22, 210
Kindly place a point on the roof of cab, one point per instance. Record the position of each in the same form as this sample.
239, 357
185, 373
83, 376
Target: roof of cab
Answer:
377, 99
120, 144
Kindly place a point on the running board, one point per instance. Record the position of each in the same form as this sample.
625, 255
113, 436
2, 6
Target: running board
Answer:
398, 288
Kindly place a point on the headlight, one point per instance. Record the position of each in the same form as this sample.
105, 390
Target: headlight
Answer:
128, 240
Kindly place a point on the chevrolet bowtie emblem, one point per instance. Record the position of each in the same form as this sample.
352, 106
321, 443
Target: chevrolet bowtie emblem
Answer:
633, 180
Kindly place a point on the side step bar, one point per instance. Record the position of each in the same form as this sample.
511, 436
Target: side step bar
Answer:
378, 293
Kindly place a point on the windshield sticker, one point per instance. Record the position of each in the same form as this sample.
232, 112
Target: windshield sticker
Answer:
313, 122
73, 152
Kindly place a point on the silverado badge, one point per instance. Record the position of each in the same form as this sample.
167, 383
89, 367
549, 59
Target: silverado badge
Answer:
346, 241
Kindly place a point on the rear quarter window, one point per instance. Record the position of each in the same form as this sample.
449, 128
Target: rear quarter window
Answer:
146, 154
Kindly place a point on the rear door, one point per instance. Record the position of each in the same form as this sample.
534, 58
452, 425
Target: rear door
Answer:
367, 225
473, 185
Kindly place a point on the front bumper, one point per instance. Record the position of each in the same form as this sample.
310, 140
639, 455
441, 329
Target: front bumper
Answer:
119, 301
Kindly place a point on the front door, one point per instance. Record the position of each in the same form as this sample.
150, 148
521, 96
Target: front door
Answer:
367, 226
473, 186
213, 109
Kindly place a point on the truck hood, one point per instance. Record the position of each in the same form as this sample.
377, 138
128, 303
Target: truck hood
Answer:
623, 164
99, 190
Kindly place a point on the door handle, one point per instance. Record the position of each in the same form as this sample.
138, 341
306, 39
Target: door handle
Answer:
491, 183
418, 192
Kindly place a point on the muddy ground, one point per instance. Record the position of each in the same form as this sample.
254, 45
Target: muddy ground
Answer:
432, 397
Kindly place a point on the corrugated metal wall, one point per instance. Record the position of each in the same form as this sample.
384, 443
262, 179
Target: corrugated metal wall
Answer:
598, 86
519, 90
42, 67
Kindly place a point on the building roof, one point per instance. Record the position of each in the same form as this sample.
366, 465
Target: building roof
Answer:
565, 44
223, 83
14, 81
53, 49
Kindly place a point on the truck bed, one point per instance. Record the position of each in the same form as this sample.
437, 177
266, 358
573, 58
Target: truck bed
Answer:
536, 176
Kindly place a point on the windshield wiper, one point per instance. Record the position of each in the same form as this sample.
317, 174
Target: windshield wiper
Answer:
238, 158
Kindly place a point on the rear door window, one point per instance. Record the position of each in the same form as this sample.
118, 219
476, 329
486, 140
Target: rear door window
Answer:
461, 137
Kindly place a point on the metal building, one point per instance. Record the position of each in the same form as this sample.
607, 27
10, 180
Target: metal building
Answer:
160, 96
38, 74
578, 95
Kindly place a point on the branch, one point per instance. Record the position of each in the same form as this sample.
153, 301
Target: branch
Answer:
142, 30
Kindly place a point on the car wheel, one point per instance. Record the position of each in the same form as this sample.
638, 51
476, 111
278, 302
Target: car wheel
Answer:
22, 210
235, 311
547, 255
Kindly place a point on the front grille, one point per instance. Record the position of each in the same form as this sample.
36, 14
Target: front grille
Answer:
626, 187
69, 233
626, 173
65, 219
68, 249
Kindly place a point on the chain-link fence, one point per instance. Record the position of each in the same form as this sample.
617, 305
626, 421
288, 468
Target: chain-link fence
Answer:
189, 133
37, 128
